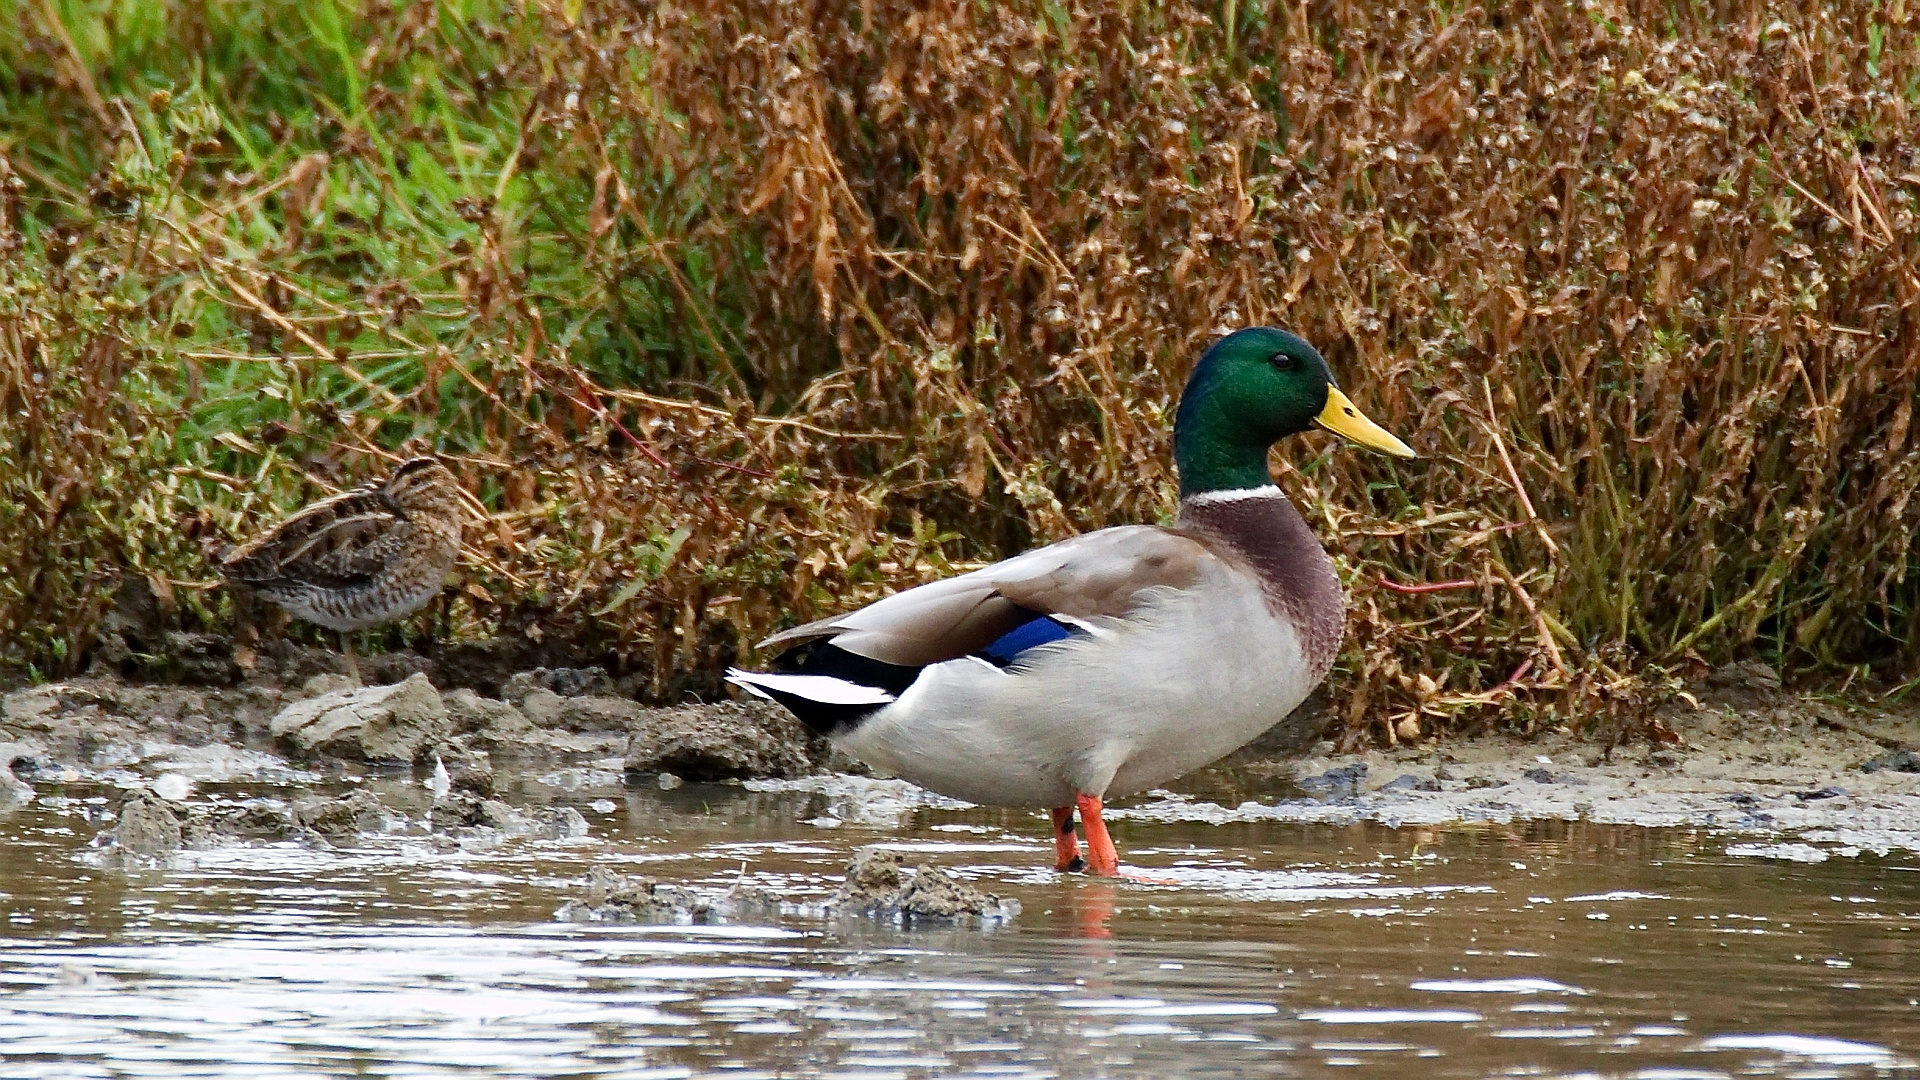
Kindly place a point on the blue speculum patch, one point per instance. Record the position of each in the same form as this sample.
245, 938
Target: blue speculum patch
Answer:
1007, 647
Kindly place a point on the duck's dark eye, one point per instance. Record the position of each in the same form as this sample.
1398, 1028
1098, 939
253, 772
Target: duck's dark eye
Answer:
1283, 361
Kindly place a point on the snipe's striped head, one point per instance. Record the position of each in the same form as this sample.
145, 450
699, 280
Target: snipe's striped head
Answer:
423, 484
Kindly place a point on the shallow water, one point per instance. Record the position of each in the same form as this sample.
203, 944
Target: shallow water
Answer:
1550, 949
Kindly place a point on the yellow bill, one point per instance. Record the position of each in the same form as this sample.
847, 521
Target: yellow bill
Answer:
1342, 418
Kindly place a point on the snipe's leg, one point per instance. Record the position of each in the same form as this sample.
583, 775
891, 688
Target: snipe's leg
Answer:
353, 666
1102, 859
1066, 847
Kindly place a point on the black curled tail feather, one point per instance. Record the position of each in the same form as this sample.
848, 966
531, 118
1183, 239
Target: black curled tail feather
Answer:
819, 716
821, 657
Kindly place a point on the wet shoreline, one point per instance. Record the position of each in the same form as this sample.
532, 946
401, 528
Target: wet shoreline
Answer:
1817, 777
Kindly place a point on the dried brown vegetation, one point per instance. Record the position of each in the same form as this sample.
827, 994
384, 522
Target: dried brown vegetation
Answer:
735, 313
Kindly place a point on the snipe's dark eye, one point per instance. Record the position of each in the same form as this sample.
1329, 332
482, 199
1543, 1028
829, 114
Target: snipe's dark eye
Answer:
1283, 361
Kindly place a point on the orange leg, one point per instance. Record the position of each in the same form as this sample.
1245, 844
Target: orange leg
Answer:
1066, 848
1102, 859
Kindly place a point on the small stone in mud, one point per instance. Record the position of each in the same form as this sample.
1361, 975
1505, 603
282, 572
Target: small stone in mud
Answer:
210, 826
1341, 783
1894, 760
583, 714
204, 659
327, 682
1476, 783
147, 831
465, 809
255, 821
1752, 676
1410, 782
22, 759
1822, 793
486, 720
172, 787
880, 886
729, 740
13, 790
540, 823
567, 823
495, 814
872, 874
357, 813
467, 770
382, 724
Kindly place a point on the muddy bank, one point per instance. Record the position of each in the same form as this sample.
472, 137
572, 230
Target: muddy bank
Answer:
1751, 758
324, 721
1837, 779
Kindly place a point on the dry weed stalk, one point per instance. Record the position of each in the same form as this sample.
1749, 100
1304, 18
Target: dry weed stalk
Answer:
749, 309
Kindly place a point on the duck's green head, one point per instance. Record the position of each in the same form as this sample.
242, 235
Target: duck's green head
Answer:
1253, 388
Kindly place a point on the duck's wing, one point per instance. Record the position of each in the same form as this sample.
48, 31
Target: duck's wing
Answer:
333, 543
1098, 575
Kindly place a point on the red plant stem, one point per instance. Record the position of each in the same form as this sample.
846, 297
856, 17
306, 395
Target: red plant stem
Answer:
1518, 674
1438, 586
594, 405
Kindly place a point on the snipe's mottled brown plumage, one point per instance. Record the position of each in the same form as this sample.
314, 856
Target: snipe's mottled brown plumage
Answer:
362, 557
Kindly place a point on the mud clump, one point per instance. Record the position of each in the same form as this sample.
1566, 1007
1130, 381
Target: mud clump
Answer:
1893, 760
13, 790
147, 833
612, 897
560, 681
466, 771
259, 820
728, 740
1748, 684
585, 714
486, 722
342, 818
1410, 782
389, 725
465, 819
1341, 783
615, 898
879, 885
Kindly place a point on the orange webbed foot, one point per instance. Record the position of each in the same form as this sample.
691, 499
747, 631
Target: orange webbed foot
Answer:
1066, 847
1102, 859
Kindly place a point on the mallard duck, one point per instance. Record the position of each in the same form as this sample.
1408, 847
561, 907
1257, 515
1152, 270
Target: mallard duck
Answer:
362, 557
1115, 661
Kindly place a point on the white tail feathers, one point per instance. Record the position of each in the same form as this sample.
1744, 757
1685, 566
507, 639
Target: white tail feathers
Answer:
825, 689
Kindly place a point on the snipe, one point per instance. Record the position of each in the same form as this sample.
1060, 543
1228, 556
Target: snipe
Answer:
362, 557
